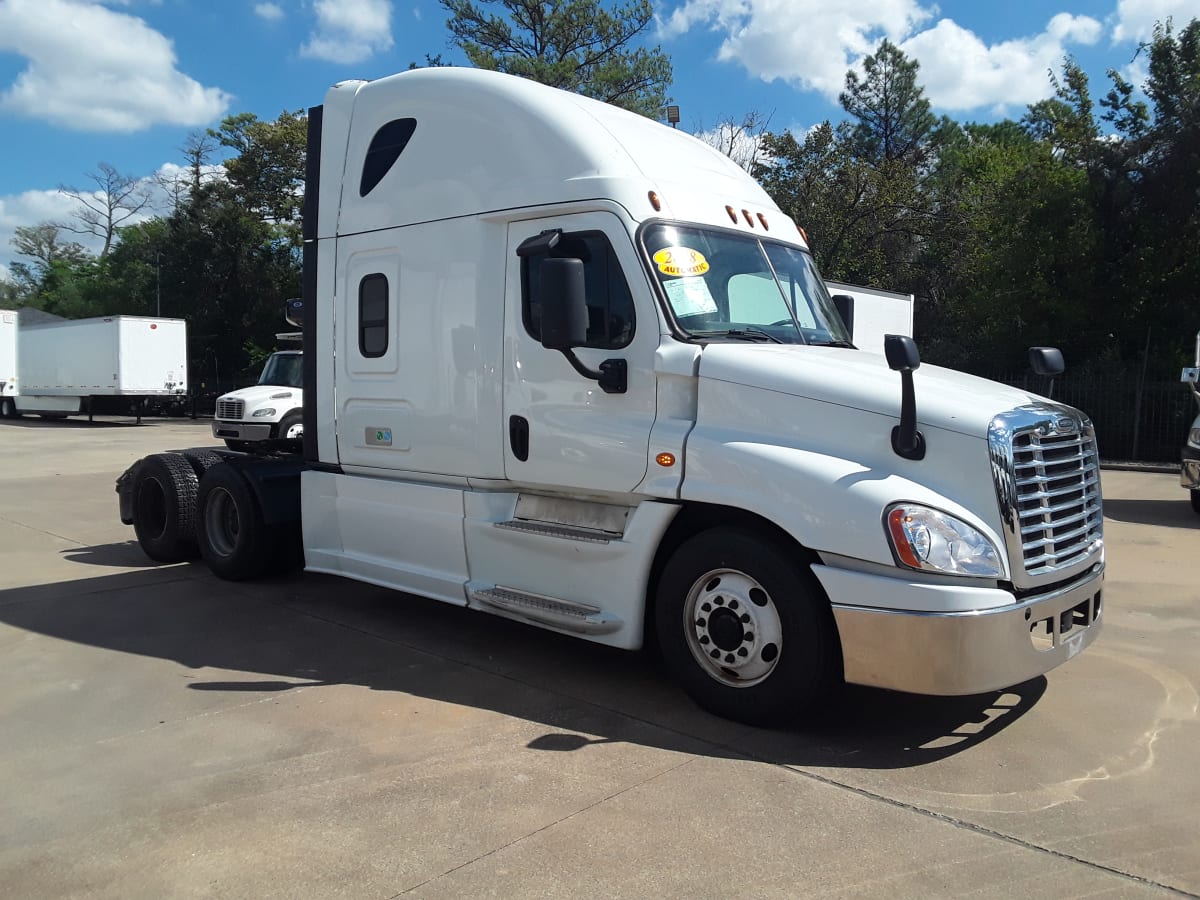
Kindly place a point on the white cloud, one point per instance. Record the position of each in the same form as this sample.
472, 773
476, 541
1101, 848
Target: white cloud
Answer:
350, 31
959, 71
93, 69
272, 12
812, 43
1136, 18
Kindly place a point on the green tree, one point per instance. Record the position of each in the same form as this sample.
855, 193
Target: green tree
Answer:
588, 46
893, 118
267, 172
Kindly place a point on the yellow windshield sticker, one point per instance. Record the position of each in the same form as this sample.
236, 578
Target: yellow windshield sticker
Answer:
679, 261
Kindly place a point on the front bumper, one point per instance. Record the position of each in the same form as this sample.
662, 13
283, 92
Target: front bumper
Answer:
963, 652
1189, 474
242, 431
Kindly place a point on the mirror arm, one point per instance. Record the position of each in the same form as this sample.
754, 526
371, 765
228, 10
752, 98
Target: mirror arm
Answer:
907, 442
613, 375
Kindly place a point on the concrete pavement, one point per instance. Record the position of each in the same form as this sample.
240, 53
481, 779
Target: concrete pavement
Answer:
163, 733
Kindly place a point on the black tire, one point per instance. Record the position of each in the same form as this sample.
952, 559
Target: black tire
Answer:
233, 540
202, 460
1196, 500
288, 422
164, 507
239, 446
8, 408
760, 609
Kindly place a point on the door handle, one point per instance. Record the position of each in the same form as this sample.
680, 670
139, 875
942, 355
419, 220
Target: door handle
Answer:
518, 437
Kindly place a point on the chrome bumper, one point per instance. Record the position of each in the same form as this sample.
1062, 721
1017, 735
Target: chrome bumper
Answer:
1189, 474
969, 652
241, 431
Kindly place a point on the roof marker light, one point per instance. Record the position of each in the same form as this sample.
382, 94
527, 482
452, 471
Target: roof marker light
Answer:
749, 220
803, 233
763, 219
655, 202
732, 214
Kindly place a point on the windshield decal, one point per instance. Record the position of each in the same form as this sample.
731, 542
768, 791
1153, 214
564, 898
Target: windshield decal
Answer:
690, 297
680, 261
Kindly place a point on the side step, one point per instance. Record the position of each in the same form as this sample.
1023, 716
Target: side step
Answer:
567, 532
565, 614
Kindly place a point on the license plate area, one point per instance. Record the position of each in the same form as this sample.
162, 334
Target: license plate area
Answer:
1049, 632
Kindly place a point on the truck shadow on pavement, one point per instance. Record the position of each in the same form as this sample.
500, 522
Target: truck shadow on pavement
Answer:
1175, 513
307, 631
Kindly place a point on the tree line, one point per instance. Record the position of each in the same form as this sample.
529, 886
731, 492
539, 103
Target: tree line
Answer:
1076, 225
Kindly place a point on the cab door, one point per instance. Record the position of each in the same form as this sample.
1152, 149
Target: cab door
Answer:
562, 429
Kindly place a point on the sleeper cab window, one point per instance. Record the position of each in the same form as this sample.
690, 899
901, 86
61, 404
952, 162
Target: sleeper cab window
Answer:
609, 303
386, 146
373, 316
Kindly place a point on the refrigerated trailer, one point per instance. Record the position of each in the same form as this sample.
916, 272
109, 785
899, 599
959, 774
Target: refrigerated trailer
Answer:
111, 365
565, 365
9, 321
870, 314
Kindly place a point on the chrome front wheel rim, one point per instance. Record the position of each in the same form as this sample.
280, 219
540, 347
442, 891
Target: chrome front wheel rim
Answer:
733, 628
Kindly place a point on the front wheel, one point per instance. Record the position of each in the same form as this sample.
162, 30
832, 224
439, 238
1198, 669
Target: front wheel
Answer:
745, 628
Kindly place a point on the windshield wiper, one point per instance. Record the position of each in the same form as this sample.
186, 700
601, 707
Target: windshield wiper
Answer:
843, 344
745, 334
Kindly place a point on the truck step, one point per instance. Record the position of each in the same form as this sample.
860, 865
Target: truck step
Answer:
565, 614
549, 529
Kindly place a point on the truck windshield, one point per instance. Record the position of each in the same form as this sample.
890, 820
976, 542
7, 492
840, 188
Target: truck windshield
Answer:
283, 369
726, 286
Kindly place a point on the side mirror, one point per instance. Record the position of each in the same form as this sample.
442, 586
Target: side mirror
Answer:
844, 304
901, 352
1046, 361
563, 301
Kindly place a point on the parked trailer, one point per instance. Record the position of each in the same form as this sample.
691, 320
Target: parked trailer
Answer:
110, 365
9, 385
871, 314
571, 367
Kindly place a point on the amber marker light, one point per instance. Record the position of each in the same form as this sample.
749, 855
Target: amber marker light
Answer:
803, 233
732, 214
763, 219
666, 460
749, 219
897, 519
655, 202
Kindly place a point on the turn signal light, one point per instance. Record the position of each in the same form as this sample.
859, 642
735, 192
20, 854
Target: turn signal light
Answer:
655, 202
666, 460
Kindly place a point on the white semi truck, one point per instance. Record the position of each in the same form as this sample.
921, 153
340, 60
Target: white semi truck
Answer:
109, 365
268, 414
568, 366
1190, 471
9, 321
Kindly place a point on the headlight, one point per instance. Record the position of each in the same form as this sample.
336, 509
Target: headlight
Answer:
1194, 437
259, 413
934, 541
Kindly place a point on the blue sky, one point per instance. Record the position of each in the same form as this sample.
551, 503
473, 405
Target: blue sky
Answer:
125, 81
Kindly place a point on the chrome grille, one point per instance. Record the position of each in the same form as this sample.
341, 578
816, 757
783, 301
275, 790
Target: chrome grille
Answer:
1047, 472
231, 409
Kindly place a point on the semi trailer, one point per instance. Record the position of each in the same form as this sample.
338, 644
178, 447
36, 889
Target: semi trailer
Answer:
108, 365
565, 365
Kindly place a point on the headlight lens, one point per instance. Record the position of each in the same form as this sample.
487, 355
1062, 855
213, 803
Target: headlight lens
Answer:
934, 541
259, 413
1194, 437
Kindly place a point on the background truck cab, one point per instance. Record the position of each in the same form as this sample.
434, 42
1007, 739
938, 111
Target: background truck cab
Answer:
268, 414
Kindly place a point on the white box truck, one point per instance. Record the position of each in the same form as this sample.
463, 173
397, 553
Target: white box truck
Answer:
109, 365
9, 321
870, 314
566, 365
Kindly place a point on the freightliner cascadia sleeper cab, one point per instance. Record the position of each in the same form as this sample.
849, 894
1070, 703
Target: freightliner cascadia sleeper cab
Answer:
566, 365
